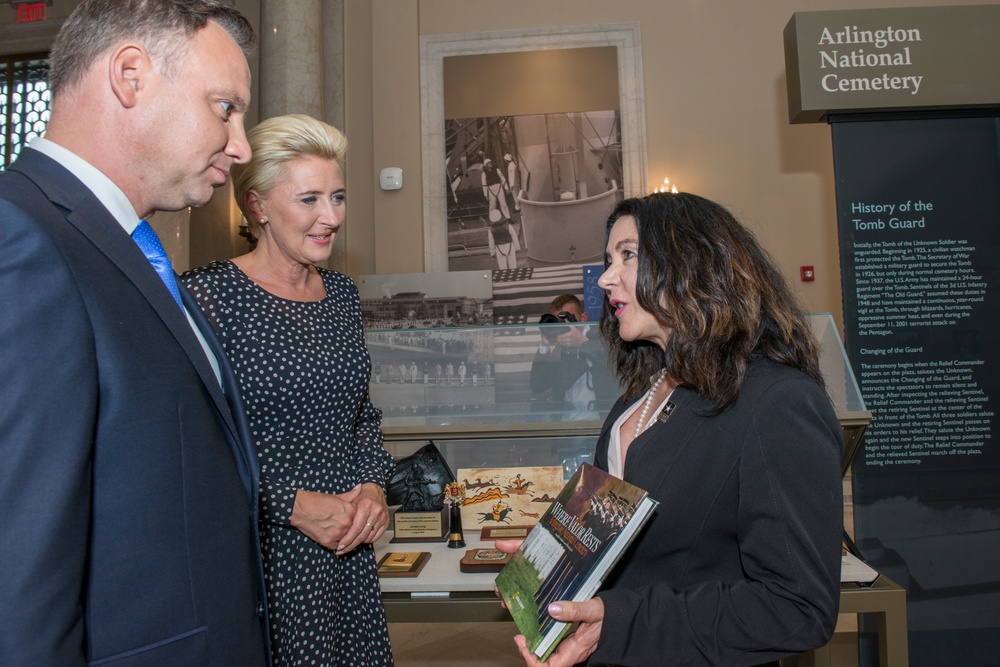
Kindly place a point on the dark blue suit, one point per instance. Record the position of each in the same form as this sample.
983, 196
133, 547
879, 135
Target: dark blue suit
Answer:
128, 488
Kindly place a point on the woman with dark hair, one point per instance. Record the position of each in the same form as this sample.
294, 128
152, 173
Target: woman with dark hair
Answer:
726, 422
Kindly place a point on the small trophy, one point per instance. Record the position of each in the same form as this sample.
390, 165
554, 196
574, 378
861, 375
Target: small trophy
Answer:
454, 494
417, 486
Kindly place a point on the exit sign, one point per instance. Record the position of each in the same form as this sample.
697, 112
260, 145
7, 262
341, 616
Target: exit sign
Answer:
30, 11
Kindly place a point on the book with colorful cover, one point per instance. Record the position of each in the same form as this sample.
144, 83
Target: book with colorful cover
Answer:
569, 552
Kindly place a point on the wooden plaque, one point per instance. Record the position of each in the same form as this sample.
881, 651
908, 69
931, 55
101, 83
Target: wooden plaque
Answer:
505, 532
483, 560
402, 563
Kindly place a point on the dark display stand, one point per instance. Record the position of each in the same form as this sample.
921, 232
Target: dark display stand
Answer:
918, 200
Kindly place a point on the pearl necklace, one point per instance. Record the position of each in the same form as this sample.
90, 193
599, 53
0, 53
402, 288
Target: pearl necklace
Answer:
649, 401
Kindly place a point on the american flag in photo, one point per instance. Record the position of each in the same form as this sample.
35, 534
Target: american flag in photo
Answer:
521, 296
514, 350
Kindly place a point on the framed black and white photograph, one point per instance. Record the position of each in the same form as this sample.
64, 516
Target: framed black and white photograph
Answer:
529, 139
425, 373
426, 300
531, 191
428, 342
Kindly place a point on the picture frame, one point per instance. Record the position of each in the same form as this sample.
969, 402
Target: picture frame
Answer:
625, 37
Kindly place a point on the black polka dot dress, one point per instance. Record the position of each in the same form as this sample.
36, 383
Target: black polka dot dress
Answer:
303, 370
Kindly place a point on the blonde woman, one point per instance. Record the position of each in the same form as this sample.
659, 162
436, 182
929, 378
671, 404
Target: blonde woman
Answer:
293, 332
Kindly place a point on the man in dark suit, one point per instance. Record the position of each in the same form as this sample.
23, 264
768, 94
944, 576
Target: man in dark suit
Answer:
128, 484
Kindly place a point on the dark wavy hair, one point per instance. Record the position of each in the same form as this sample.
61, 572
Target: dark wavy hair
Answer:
704, 276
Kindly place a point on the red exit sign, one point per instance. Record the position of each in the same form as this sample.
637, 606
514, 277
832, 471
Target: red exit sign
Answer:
31, 11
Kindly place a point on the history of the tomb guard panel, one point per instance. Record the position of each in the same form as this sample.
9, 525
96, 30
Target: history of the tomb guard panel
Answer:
918, 259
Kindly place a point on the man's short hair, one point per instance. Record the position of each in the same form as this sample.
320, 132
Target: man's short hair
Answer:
560, 302
162, 26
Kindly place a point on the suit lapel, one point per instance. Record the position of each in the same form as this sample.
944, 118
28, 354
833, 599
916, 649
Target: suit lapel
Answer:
86, 212
88, 215
235, 411
94, 222
674, 432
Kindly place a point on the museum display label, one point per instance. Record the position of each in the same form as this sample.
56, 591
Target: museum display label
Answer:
902, 58
419, 526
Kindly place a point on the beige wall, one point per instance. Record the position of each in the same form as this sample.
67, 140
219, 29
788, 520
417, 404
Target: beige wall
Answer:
190, 237
525, 83
715, 107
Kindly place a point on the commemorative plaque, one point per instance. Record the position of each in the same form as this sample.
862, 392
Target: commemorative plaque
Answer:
419, 526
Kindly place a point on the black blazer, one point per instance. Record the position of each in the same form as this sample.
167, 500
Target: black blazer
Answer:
128, 534
740, 565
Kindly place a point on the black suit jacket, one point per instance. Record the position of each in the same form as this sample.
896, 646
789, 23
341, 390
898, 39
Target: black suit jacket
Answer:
740, 564
128, 485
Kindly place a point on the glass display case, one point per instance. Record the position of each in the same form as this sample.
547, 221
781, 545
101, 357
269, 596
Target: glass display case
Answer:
841, 385
505, 396
486, 396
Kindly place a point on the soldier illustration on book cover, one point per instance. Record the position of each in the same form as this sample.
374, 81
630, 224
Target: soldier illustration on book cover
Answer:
569, 551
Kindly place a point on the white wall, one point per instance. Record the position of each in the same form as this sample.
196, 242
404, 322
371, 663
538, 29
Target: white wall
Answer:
715, 107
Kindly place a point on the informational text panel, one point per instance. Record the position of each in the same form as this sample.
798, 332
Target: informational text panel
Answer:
918, 205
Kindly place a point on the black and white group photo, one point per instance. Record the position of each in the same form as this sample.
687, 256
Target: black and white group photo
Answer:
521, 187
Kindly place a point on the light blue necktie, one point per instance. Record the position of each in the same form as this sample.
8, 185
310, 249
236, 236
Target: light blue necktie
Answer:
149, 243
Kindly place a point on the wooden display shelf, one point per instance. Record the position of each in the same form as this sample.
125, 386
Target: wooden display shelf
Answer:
443, 594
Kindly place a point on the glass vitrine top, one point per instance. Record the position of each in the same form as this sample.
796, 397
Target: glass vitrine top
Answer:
497, 375
544, 374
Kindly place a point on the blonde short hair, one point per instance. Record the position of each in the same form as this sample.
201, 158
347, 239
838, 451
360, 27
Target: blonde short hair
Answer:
275, 142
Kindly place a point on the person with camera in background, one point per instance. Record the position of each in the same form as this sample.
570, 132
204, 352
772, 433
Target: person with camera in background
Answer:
562, 372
